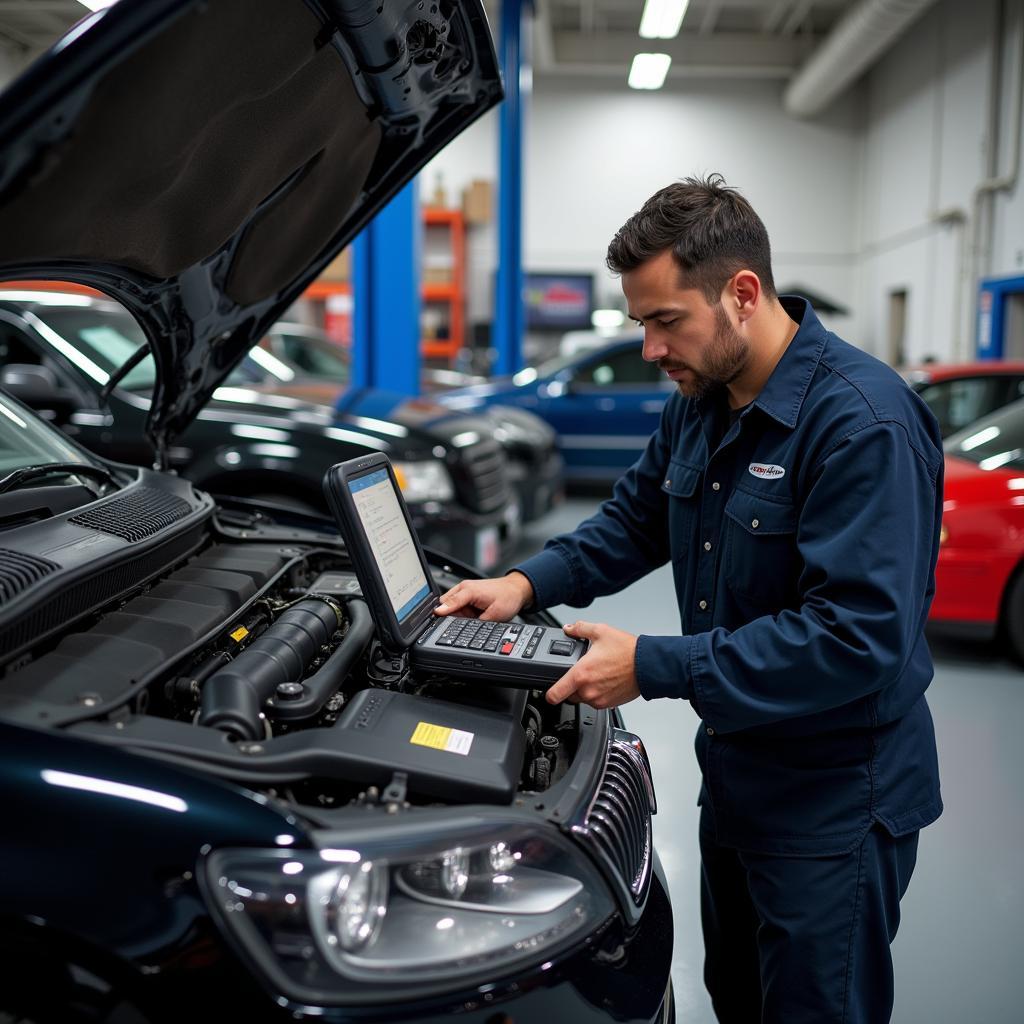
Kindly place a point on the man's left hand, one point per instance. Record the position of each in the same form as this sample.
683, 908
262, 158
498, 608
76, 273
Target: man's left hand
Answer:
605, 676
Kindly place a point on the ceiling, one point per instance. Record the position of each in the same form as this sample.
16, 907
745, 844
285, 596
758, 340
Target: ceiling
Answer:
29, 26
719, 38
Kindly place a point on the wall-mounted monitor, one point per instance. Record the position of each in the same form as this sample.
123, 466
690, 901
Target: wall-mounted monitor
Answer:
558, 301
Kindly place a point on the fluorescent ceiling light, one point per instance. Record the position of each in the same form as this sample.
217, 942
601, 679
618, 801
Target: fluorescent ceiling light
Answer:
649, 70
661, 18
96, 5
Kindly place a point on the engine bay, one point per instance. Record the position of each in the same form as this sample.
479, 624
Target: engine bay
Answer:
255, 659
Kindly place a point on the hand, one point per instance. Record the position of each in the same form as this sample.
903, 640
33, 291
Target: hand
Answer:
495, 600
605, 677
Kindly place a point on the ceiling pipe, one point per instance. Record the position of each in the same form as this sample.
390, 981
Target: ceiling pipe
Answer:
864, 33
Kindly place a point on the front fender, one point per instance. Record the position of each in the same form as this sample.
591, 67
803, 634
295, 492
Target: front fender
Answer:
109, 841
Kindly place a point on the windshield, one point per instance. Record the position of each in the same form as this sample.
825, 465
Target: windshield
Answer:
993, 441
28, 441
106, 336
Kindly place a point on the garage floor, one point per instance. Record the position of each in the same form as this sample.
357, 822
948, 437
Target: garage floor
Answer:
958, 953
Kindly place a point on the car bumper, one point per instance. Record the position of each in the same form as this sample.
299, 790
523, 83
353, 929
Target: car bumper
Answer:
475, 539
612, 976
539, 483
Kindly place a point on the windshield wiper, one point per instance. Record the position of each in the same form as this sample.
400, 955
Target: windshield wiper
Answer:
122, 371
20, 476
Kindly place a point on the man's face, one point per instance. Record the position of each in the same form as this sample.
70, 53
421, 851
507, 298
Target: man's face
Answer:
693, 342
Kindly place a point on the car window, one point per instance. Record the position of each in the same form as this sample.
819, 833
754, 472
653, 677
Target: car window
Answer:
313, 357
993, 441
14, 348
25, 440
625, 366
102, 338
958, 403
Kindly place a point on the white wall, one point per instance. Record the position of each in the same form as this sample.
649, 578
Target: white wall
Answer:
926, 148
874, 196
595, 151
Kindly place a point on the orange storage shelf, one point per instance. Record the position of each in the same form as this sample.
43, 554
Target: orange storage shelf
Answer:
322, 289
451, 294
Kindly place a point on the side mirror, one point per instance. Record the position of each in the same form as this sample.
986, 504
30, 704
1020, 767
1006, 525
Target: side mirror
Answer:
37, 387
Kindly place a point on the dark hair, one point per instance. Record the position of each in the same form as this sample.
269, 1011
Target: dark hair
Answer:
711, 229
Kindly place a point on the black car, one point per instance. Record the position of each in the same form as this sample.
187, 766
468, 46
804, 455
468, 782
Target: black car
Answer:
58, 351
223, 799
302, 362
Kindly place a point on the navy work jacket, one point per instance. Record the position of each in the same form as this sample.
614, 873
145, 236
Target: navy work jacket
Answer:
803, 548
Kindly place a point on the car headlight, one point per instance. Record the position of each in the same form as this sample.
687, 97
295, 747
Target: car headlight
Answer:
424, 481
398, 912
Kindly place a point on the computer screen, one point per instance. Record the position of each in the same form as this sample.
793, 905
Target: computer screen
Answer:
391, 543
558, 301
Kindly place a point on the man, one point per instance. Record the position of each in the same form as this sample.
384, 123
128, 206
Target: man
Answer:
796, 484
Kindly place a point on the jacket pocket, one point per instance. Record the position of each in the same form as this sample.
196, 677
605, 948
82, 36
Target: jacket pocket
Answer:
762, 563
680, 484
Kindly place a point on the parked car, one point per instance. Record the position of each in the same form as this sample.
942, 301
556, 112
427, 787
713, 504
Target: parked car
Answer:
604, 405
301, 362
214, 808
961, 393
57, 354
311, 353
979, 579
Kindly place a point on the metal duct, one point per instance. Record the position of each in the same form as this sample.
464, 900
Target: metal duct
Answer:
865, 32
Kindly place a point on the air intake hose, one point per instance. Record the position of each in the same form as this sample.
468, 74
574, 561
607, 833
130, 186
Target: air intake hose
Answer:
233, 697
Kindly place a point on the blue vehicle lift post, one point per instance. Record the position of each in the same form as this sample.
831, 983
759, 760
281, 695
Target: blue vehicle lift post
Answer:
386, 297
509, 314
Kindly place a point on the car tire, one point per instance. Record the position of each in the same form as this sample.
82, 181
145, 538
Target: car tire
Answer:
1013, 616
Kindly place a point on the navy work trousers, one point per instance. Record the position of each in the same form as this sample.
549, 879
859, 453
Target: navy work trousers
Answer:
802, 940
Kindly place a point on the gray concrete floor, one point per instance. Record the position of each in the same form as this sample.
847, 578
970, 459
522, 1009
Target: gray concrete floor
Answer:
959, 954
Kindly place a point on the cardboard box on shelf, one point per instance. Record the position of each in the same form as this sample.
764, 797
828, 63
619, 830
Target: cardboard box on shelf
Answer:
437, 275
340, 268
477, 199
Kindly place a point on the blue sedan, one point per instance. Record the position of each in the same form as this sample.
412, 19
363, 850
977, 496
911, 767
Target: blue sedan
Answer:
604, 404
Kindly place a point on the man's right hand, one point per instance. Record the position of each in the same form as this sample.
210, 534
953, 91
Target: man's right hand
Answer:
495, 600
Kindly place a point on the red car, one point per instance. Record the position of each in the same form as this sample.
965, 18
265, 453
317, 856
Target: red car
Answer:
979, 582
961, 393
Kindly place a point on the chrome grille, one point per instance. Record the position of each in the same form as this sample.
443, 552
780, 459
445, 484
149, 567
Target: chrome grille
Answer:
481, 476
617, 826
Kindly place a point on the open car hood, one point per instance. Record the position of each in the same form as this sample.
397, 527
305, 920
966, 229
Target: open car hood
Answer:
202, 160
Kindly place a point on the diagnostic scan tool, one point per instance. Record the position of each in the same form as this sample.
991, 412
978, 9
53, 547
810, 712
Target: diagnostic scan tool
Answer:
397, 586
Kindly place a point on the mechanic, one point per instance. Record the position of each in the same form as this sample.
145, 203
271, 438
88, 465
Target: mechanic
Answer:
795, 482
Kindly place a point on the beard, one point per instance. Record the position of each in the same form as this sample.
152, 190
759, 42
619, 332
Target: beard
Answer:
724, 360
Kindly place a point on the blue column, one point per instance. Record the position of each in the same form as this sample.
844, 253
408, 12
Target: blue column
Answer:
510, 316
386, 297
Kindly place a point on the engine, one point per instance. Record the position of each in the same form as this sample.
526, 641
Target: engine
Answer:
258, 661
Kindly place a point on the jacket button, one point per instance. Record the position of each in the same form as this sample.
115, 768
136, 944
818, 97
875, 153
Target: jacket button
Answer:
707, 545
755, 523
668, 483
702, 605
716, 486
710, 731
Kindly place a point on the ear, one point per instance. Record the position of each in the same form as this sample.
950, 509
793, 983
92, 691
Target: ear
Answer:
743, 293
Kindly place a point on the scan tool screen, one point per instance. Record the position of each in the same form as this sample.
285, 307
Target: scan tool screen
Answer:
391, 543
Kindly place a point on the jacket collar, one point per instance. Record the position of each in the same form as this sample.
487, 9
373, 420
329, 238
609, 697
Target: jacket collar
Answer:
783, 394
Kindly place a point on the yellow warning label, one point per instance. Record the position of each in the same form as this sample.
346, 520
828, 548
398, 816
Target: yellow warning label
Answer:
440, 737
240, 634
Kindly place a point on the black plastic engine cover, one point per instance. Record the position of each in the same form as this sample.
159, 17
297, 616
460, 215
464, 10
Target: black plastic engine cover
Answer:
449, 751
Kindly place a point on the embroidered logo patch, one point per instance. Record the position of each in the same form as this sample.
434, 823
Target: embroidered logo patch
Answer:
763, 471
